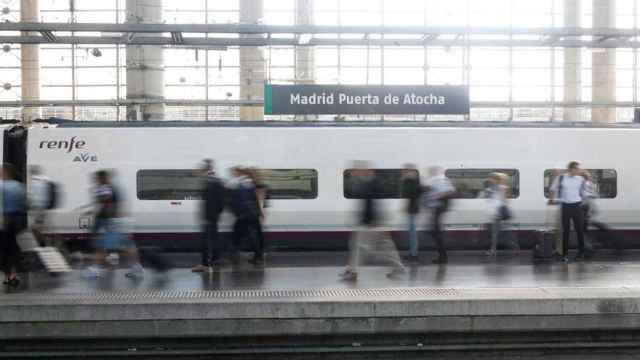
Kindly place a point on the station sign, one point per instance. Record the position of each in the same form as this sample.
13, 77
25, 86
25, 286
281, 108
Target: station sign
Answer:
365, 99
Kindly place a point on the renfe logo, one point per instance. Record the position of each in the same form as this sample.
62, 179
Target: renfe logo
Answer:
67, 145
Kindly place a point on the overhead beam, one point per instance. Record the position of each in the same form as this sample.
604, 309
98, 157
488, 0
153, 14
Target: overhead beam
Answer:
387, 41
48, 35
308, 29
259, 102
177, 38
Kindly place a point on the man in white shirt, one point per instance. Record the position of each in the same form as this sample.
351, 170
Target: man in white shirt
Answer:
439, 191
569, 190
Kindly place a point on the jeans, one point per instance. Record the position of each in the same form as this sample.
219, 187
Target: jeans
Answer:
413, 235
436, 231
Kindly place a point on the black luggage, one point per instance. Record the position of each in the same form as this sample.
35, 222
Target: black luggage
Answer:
544, 245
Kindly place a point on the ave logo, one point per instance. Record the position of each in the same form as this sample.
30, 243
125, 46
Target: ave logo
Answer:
85, 157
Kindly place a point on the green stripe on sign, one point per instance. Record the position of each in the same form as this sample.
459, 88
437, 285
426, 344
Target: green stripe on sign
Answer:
268, 107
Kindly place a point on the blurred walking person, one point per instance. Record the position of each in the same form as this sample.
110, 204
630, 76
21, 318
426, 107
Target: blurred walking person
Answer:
411, 190
109, 230
369, 239
14, 220
438, 194
212, 204
257, 233
244, 204
497, 194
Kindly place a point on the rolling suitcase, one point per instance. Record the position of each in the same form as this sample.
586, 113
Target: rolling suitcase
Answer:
545, 239
544, 245
52, 259
49, 256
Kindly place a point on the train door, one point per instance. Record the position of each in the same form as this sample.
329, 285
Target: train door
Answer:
14, 149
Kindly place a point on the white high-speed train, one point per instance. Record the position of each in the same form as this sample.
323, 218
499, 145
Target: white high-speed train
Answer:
307, 169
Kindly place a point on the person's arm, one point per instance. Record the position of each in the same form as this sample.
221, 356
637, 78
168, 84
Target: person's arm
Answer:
553, 190
447, 190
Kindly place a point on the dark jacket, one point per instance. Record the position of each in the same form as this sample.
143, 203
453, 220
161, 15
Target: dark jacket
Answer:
244, 201
411, 190
368, 191
213, 198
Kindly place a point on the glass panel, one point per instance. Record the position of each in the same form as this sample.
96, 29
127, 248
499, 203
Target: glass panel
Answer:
289, 183
389, 183
169, 185
470, 183
605, 181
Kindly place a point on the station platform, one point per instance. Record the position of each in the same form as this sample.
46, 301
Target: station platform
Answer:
296, 305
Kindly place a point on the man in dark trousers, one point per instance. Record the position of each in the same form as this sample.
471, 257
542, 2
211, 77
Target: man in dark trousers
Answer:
569, 190
411, 190
439, 192
213, 199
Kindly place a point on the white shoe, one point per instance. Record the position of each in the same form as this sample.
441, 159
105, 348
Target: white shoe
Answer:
396, 272
135, 271
92, 272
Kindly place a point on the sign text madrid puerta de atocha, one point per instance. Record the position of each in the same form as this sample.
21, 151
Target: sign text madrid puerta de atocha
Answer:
365, 99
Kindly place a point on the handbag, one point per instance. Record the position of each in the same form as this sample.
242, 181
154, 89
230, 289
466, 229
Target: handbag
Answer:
504, 213
26, 240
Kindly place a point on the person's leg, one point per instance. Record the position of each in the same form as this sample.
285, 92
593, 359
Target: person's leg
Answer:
578, 223
205, 251
215, 247
238, 234
566, 228
387, 249
13, 258
438, 236
258, 241
413, 235
495, 233
5, 254
355, 243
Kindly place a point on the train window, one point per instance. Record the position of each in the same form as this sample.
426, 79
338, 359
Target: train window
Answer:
470, 183
169, 185
286, 184
605, 181
390, 183
187, 184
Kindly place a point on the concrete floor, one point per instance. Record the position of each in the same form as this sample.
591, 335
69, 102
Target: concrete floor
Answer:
320, 271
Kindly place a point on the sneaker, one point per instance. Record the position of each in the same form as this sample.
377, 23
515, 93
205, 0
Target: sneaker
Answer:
349, 275
565, 259
92, 272
411, 259
440, 261
491, 253
135, 271
396, 272
200, 269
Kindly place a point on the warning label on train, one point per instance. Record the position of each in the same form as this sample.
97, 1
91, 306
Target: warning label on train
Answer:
365, 99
